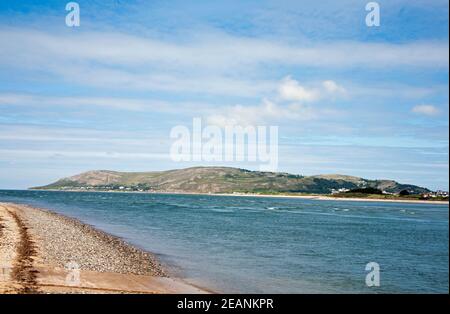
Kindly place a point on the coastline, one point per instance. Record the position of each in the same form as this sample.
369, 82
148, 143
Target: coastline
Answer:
330, 198
308, 197
45, 252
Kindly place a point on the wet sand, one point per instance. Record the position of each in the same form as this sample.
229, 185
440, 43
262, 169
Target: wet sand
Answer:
44, 252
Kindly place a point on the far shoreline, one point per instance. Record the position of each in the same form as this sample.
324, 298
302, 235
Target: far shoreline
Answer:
317, 197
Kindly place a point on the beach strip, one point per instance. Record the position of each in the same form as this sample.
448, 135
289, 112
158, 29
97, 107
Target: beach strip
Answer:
44, 252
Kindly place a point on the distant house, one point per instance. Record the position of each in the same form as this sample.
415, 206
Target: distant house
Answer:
442, 193
341, 190
435, 194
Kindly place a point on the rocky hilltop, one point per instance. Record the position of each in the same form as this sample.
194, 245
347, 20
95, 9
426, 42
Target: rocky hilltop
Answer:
221, 180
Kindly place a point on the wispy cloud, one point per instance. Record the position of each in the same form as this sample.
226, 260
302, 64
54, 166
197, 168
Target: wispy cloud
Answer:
37, 100
291, 90
218, 51
266, 112
428, 110
292, 103
117, 60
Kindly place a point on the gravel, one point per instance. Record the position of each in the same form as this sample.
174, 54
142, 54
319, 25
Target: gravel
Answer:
61, 240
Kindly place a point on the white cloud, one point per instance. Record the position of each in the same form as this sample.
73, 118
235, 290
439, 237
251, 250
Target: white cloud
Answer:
291, 96
292, 104
128, 104
210, 63
37, 100
80, 154
291, 90
264, 113
216, 50
428, 110
333, 87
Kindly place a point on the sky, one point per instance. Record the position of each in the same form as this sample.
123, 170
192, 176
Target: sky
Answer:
347, 98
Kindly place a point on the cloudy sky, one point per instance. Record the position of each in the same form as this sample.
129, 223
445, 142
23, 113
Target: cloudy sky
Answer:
370, 102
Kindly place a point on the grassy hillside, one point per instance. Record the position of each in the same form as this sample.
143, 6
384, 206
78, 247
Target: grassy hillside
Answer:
220, 180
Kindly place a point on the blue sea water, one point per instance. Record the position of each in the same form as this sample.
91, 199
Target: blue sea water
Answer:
272, 245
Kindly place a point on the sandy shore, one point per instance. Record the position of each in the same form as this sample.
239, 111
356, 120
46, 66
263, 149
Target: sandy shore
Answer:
353, 199
43, 252
308, 197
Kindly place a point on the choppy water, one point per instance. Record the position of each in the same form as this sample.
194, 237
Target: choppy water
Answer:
280, 245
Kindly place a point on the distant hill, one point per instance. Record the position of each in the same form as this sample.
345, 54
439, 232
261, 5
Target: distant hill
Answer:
220, 180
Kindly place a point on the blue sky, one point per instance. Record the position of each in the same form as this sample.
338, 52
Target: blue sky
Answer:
370, 102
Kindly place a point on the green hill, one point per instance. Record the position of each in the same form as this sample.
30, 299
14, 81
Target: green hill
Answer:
220, 180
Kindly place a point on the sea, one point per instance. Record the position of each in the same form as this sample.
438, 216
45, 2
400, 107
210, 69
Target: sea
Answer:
240, 244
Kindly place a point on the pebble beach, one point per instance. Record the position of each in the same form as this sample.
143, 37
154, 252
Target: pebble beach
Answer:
38, 248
